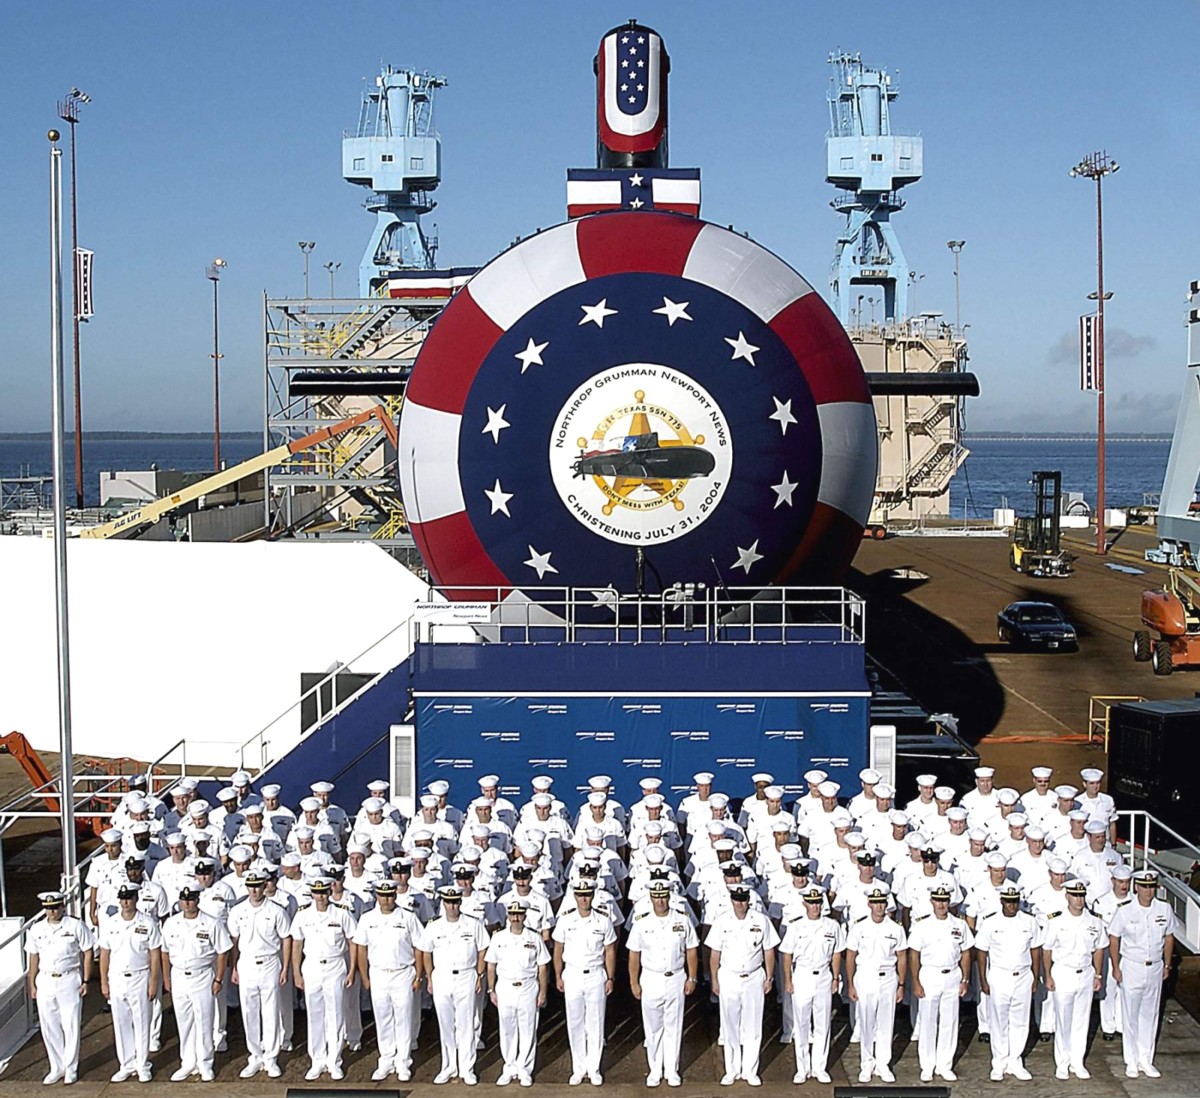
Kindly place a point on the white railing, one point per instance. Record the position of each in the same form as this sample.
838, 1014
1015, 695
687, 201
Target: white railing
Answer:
255, 753
1172, 863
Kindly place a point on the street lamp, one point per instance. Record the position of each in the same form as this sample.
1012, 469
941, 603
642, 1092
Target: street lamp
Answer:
331, 267
860, 301
68, 111
1096, 166
214, 275
956, 246
913, 279
306, 246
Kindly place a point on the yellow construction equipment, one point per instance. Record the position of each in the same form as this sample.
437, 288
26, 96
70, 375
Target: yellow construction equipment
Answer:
134, 522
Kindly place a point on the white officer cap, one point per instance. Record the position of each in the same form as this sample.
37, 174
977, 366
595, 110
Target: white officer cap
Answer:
870, 776
1035, 833
996, 860
653, 827
542, 800
428, 800
542, 782
303, 832
1041, 771
985, 771
254, 809
226, 794
240, 853
378, 787
653, 800
1121, 872
1008, 796
321, 787
927, 780
1066, 792
763, 777
883, 791
957, 813
656, 854
1078, 814
439, 788
944, 793
915, 840
718, 800
597, 797
829, 789
716, 827
174, 839
373, 804
271, 790
781, 827
1056, 865
310, 804
856, 840
1017, 819
289, 859
600, 781
977, 835
815, 777
773, 793
703, 778
898, 817
649, 785
1095, 827
1091, 774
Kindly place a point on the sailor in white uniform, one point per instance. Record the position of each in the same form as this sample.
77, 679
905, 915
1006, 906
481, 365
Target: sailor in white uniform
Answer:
1008, 948
517, 965
1141, 940
1071, 955
940, 948
876, 970
130, 969
60, 965
811, 951
585, 961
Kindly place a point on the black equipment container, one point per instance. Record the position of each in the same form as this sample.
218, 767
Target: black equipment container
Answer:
1151, 748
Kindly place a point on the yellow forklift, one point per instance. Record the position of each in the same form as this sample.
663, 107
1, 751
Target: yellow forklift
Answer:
1036, 548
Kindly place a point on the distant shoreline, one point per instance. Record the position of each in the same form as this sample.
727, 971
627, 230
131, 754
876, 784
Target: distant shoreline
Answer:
1063, 436
133, 436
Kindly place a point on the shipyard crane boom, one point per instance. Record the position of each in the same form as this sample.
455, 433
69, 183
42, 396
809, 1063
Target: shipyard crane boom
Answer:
133, 522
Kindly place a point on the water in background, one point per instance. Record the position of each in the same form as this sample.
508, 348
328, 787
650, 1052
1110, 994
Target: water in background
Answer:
1001, 469
995, 470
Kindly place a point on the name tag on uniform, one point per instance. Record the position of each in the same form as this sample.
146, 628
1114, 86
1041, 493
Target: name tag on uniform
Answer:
677, 928
140, 930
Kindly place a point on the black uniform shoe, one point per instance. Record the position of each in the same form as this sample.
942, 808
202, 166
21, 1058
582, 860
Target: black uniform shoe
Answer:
985, 1038
1045, 1037
1109, 1036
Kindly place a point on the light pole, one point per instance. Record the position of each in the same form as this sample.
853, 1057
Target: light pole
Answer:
913, 279
214, 275
1096, 166
956, 246
860, 301
306, 246
331, 267
68, 111
66, 789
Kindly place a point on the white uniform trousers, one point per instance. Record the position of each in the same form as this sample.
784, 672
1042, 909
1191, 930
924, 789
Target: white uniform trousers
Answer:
812, 1005
876, 989
937, 1018
325, 1003
287, 1011
1110, 1000
663, 1004
393, 1002
788, 1022
156, 1017
1009, 1004
1043, 1009
516, 1003
220, 1027
454, 1001
352, 1010
131, 1010
741, 1001
1141, 994
1072, 1011
259, 995
59, 1012
585, 1004
195, 1008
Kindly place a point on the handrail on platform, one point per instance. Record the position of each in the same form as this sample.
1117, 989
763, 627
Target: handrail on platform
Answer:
1100, 713
1171, 864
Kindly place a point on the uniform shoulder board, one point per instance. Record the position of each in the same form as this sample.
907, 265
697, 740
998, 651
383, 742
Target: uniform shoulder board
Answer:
305, 907
920, 918
990, 914
1054, 915
640, 915
1122, 903
862, 918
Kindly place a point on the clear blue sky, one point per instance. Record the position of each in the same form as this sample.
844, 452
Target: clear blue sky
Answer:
215, 130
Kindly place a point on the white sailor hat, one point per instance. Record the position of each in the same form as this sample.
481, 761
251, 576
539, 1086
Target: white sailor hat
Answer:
139, 827
1078, 814
1041, 772
927, 781
289, 859
653, 800
1120, 872
542, 800
655, 854
715, 827
535, 835
944, 793
438, 788
898, 818
650, 785
198, 808
781, 827
915, 840
593, 834
357, 848
175, 838
762, 778
773, 793
185, 785
303, 834
481, 804
240, 853
1091, 774
856, 840
839, 817
378, 786
1035, 833
985, 771
870, 776
542, 782
110, 835
590, 853
724, 845
250, 838
718, 800
253, 809
226, 794
470, 853
373, 804
529, 850
1056, 865
977, 835
428, 800
790, 852
310, 804
1017, 819
653, 827
1095, 827
828, 788
489, 781
321, 787
703, 778
996, 860
597, 797
884, 792
135, 802
815, 777
480, 831
600, 781
1066, 792
271, 790
956, 813
418, 854
1008, 796
240, 777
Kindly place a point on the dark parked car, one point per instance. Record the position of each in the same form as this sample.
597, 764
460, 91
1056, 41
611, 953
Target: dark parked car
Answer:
1036, 625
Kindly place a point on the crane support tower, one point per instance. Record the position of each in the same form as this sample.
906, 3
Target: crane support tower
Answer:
397, 153
869, 162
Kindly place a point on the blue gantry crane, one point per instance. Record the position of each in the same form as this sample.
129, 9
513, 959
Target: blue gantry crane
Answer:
869, 162
397, 153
